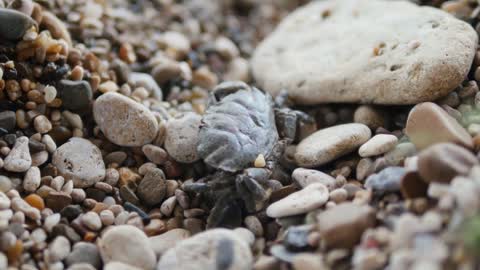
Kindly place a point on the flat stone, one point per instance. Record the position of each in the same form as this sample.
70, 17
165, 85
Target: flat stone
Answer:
330, 143
14, 24
378, 145
19, 159
216, 249
429, 124
152, 188
75, 95
303, 201
124, 121
127, 244
81, 161
165, 241
304, 177
403, 53
442, 162
182, 137
342, 226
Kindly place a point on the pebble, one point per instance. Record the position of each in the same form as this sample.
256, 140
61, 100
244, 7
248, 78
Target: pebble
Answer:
254, 225
57, 201
152, 188
58, 249
429, 124
127, 244
84, 252
182, 137
146, 81
81, 161
442, 162
81, 266
215, 249
412, 186
4, 201
119, 266
14, 24
307, 261
338, 195
370, 116
330, 143
312, 46
155, 154
75, 95
56, 27
92, 221
386, 181
165, 241
19, 159
124, 121
377, 145
8, 120
342, 226
32, 179
309, 198
304, 177
42, 124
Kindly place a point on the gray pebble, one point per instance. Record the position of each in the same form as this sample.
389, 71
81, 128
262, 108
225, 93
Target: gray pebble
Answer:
8, 120
84, 252
152, 188
14, 24
75, 95
182, 137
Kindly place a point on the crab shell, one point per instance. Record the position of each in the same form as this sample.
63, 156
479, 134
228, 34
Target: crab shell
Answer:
238, 125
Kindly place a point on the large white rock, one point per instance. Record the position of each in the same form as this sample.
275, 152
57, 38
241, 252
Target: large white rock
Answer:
366, 51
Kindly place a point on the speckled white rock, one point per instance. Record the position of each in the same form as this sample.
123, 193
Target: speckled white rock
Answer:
81, 161
165, 241
310, 198
365, 51
304, 177
216, 249
124, 121
32, 179
129, 245
182, 137
331, 143
378, 145
19, 159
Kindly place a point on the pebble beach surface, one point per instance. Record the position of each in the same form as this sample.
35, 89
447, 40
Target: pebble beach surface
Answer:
239, 135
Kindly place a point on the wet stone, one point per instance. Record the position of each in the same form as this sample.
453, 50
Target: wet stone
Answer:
75, 95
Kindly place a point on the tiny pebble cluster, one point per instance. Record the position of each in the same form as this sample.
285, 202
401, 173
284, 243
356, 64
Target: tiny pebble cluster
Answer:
239, 135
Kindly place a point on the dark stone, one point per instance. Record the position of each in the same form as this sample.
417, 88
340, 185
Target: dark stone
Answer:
60, 134
14, 24
132, 208
152, 188
75, 95
67, 231
8, 120
71, 212
36, 146
412, 186
96, 194
128, 195
10, 139
57, 201
122, 71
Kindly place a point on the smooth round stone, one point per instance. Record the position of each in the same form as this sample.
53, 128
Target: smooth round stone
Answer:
146, 81
303, 201
124, 121
378, 145
75, 95
165, 241
429, 124
84, 252
216, 249
129, 245
19, 159
331, 143
14, 24
8, 120
403, 53
304, 177
152, 188
182, 137
81, 161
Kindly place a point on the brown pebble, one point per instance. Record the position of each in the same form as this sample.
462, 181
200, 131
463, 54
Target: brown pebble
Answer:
442, 162
412, 186
57, 200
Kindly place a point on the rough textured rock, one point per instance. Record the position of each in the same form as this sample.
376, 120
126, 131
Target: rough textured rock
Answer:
428, 124
81, 161
403, 53
124, 121
19, 159
330, 143
216, 249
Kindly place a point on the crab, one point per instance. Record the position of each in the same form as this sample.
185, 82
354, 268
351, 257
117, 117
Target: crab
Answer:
240, 123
